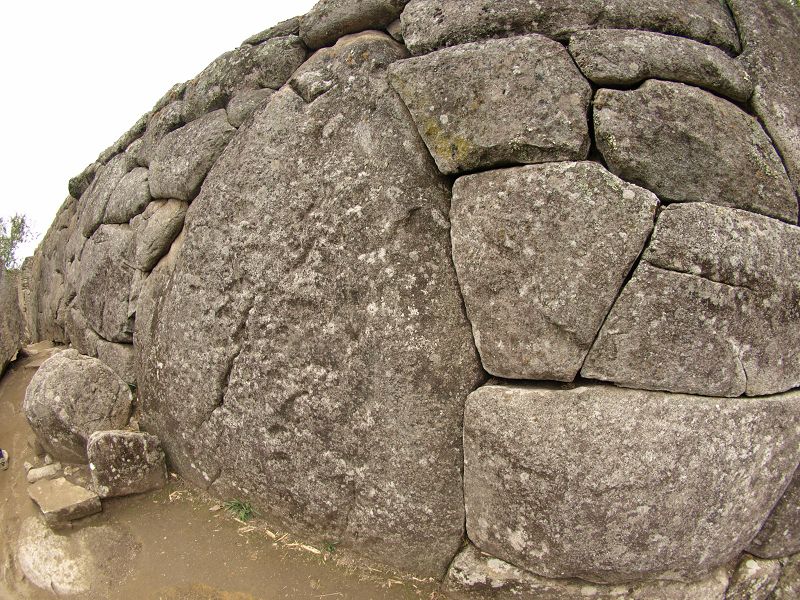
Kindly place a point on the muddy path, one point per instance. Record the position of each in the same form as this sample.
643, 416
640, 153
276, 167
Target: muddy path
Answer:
173, 544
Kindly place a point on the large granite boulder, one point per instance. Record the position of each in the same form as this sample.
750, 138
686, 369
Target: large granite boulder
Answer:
613, 485
70, 397
129, 198
12, 323
712, 309
125, 462
155, 230
432, 24
541, 253
93, 203
329, 20
313, 324
687, 145
532, 109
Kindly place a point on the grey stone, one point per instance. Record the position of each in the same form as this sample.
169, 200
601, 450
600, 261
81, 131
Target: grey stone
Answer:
174, 94
125, 462
541, 253
474, 575
167, 119
329, 20
687, 145
106, 274
753, 579
780, 534
245, 103
282, 29
93, 204
129, 198
78, 184
711, 310
532, 109
36, 446
770, 31
267, 65
155, 230
48, 471
80, 335
71, 396
432, 24
624, 57
788, 587
395, 29
61, 501
613, 485
125, 140
328, 293
12, 322
183, 157
119, 357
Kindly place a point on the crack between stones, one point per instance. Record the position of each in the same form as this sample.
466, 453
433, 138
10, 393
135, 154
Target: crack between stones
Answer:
698, 276
736, 27
238, 339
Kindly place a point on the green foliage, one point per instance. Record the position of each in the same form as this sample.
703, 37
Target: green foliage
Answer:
330, 547
13, 232
794, 2
240, 510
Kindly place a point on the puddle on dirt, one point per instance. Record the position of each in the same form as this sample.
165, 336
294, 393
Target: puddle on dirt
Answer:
178, 543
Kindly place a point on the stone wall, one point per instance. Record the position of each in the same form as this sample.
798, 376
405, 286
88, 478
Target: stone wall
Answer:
12, 324
516, 283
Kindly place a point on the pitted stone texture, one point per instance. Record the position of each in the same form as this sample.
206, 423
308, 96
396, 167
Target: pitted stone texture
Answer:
313, 323
331, 19
72, 396
80, 335
282, 29
12, 324
92, 207
245, 103
788, 587
183, 157
712, 309
613, 485
119, 357
753, 579
474, 575
79, 184
770, 31
687, 145
125, 140
541, 254
432, 24
61, 501
532, 109
624, 57
105, 281
267, 65
780, 534
125, 462
155, 230
129, 198
167, 119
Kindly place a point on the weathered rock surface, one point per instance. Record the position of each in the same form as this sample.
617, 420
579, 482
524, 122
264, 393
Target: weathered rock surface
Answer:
753, 579
282, 29
93, 560
475, 575
329, 20
687, 145
80, 335
541, 253
125, 462
788, 586
125, 140
165, 120
532, 109
61, 501
105, 280
95, 199
80, 183
245, 103
267, 65
129, 198
711, 310
770, 31
613, 485
625, 57
71, 396
119, 357
780, 534
46, 472
155, 230
313, 322
12, 323
432, 24
184, 156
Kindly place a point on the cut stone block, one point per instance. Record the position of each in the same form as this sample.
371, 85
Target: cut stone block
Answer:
126, 462
61, 501
46, 472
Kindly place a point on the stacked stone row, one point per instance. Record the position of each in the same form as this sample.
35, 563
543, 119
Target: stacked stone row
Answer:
623, 220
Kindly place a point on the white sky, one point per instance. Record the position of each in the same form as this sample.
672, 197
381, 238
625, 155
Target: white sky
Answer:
76, 75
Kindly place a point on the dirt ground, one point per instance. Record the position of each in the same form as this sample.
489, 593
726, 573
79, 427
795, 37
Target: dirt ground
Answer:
174, 544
